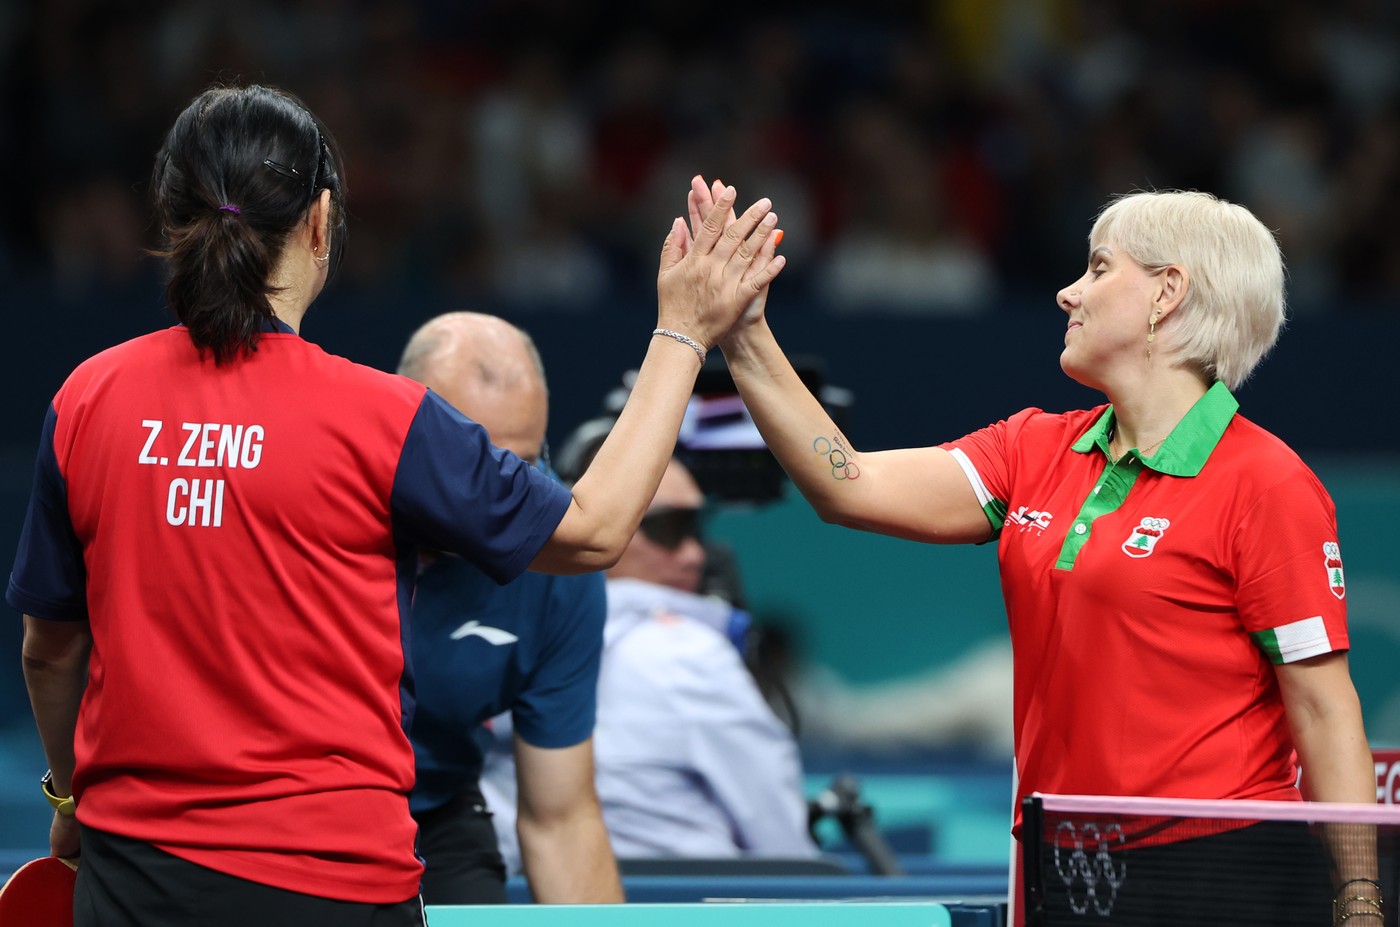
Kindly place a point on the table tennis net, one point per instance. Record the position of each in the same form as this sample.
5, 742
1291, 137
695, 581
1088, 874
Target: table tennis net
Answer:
1101, 860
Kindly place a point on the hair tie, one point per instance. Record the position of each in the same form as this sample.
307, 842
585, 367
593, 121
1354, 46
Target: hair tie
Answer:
229, 207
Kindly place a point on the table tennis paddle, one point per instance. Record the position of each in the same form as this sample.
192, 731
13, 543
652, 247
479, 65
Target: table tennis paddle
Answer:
40, 893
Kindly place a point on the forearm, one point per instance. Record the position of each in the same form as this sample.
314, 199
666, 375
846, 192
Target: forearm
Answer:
1324, 717
612, 496
55, 674
568, 860
1337, 767
794, 425
1335, 770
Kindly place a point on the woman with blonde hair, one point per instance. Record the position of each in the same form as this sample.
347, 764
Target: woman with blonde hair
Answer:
1171, 571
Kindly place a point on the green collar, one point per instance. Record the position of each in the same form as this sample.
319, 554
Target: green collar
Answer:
1187, 448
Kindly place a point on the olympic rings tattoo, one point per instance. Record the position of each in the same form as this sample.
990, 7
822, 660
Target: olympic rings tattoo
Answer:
838, 455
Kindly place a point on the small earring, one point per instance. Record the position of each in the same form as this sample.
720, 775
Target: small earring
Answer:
323, 258
1151, 334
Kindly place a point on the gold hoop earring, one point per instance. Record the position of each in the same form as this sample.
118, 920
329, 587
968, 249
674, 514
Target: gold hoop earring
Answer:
1151, 334
323, 258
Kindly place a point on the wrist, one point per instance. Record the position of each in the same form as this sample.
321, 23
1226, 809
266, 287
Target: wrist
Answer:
682, 338
745, 340
65, 805
1358, 900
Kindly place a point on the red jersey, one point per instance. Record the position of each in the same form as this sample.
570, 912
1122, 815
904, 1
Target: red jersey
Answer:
1147, 599
242, 539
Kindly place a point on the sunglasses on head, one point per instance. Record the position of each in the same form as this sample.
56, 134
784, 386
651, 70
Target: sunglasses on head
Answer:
670, 527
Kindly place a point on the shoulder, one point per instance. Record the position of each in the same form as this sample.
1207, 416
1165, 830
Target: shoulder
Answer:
1258, 462
336, 373
1244, 438
301, 365
1030, 433
1036, 423
1064, 427
132, 355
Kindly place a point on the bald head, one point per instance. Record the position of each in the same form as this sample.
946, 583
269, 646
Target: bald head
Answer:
489, 370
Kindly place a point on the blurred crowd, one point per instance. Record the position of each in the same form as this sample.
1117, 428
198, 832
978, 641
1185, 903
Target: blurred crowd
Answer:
939, 157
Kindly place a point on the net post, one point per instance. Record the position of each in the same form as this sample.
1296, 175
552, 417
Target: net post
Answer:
1033, 884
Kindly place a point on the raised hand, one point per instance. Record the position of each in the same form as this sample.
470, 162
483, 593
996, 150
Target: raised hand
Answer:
700, 200
706, 280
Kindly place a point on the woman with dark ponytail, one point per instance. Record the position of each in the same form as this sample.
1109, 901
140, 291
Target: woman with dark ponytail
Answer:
262, 148
217, 561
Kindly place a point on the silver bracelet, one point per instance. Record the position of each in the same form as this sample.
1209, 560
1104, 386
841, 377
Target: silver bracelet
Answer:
683, 339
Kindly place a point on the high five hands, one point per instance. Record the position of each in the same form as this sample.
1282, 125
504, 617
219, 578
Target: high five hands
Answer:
716, 271
703, 198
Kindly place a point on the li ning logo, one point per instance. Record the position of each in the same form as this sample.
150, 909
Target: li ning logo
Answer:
1145, 537
1332, 559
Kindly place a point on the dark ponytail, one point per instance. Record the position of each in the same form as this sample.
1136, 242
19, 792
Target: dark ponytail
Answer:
237, 173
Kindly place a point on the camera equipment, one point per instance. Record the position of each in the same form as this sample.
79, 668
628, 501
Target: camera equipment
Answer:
841, 800
718, 441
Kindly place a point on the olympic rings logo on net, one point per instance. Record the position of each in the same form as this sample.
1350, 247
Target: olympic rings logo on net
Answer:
842, 466
1090, 874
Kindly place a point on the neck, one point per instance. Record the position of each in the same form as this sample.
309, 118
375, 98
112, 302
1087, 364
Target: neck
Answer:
289, 316
1144, 416
293, 288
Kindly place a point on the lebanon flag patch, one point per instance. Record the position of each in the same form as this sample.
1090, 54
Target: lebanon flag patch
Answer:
1336, 579
1145, 537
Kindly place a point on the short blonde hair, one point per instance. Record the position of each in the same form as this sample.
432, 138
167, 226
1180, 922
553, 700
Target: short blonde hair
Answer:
1233, 309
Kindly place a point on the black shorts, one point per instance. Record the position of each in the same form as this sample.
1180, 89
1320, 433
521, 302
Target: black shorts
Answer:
129, 883
458, 843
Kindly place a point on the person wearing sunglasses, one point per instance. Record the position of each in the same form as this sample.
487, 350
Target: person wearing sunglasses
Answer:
691, 760
528, 650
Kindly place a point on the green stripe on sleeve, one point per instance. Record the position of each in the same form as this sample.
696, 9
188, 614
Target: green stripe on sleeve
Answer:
1267, 641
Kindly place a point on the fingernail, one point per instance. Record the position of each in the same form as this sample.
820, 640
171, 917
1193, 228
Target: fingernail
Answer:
777, 238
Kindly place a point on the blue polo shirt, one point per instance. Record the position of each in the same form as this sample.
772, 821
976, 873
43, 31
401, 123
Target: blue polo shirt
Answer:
531, 647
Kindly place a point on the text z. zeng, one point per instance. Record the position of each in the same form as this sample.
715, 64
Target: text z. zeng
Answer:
199, 501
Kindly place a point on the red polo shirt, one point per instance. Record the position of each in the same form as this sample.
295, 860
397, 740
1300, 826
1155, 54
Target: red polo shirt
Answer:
1147, 599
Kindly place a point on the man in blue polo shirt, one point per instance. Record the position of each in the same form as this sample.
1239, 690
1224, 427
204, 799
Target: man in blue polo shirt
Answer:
692, 762
530, 648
